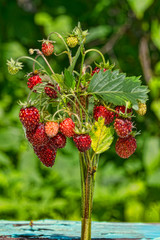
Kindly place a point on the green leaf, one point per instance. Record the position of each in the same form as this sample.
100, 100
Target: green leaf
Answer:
116, 88
69, 79
139, 7
101, 136
59, 79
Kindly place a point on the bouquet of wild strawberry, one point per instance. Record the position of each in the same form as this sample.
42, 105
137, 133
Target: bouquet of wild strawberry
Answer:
90, 106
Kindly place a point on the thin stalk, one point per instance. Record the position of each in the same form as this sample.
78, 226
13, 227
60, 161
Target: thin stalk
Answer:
95, 50
87, 188
41, 54
68, 50
32, 59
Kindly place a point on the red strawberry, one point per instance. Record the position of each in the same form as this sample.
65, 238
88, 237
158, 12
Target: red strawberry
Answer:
50, 91
51, 128
29, 135
47, 48
122, 109
123, 127
96, 70
29, 117
46, 155
67, 127
59, 141
82, 142
101, 111
125, 147
33, 81
40, 137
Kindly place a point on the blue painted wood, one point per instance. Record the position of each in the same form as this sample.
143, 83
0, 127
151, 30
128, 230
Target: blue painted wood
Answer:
67, 230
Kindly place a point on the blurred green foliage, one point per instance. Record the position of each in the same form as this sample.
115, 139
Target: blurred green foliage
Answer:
126, 190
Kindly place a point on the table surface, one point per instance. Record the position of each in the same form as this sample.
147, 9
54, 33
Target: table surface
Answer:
67, 230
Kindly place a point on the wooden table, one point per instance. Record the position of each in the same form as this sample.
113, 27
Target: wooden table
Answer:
67, 230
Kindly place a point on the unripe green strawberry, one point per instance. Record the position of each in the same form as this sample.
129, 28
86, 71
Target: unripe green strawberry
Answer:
142, 109
72, 41
14, 66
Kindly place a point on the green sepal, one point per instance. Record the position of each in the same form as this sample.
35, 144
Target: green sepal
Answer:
101, 136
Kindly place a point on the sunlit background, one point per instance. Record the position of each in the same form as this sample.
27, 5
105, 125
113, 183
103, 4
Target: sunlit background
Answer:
128, 33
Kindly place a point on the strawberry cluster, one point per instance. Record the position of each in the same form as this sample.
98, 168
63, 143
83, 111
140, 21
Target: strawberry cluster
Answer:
67, 94
44, 137
126, 143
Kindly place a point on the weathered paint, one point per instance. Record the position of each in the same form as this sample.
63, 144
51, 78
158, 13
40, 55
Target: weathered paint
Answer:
67, 230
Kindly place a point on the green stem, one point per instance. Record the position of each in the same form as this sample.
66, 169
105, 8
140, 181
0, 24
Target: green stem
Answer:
95, 50
32, 59
81, 69
87, 188
68, 50
75, 59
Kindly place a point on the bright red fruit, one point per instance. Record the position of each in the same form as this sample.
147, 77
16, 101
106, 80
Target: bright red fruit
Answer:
50, 91
33, 81
96, 70
67, 127
123, 127
121, 109
59, 141
40, 137
46, 155
29, 117
82, 142
47, 48
125, 147
101, 111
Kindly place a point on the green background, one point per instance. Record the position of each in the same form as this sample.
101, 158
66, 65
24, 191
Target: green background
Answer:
126, 190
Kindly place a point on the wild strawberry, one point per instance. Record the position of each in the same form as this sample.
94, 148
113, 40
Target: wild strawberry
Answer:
59, 141
14, 66
142, 109
122, 109
46, 155
47, 48
67, 127
123, 127
72, 41
29, 117
50, 90
82, 142
33, 81
29, 135
40, 137
125, 147
101, 111
51, 128
96, 70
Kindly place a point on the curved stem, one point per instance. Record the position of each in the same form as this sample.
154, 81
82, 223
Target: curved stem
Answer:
68, 50
32, 59
95, 50
42, 55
